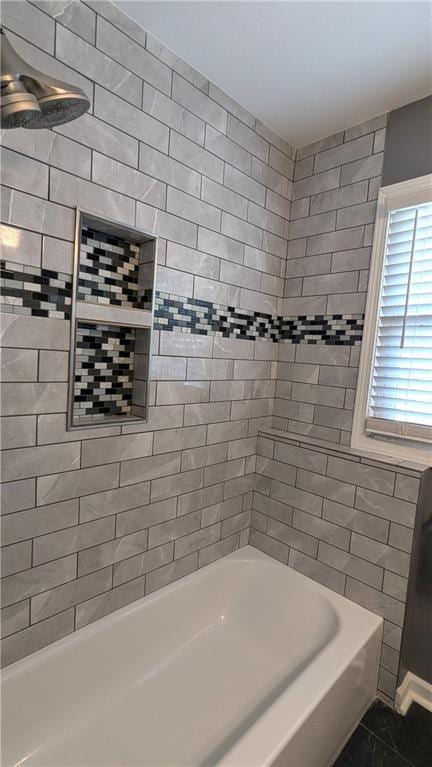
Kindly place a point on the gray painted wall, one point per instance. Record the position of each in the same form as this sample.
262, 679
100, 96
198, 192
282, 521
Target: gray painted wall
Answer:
408, 147
416, 653
408, 154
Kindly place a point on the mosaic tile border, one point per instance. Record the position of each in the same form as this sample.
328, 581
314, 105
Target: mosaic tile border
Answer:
45, 293
205, 318
323, 329
191, 315
34, 291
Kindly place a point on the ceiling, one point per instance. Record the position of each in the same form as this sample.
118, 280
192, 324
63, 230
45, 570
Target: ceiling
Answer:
307, 69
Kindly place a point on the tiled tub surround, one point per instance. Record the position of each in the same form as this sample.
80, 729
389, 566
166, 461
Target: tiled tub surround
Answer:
336, 184
344, 521
95, 518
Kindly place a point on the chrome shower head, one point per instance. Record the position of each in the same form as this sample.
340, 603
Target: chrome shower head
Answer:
31, 99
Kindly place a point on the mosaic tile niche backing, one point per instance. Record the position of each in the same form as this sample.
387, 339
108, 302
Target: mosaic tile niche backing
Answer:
104, 365
116, 268
109, 271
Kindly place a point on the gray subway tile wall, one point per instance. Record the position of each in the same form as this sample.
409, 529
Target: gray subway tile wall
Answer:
336, 184
340, 520
95, 519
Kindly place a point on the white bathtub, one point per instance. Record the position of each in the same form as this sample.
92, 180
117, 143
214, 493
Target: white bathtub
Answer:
245, 662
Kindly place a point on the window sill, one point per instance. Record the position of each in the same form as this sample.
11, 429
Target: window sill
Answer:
402, 453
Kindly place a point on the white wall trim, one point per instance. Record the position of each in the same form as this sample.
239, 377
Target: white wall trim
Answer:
413, 689
413, 192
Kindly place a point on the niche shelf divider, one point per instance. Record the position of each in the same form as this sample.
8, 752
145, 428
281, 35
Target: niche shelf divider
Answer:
111, 323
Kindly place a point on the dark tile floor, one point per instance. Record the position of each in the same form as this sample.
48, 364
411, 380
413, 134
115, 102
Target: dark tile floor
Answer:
386, 739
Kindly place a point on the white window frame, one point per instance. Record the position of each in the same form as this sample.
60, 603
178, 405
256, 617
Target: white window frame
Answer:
413, 192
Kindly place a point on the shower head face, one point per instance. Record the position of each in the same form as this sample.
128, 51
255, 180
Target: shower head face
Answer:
18, 105
31, 99
57, 110
17, 117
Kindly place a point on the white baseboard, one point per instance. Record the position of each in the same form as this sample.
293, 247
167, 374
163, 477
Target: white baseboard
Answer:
413, 689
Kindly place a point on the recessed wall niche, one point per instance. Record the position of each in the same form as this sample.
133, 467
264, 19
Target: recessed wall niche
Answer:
112, 319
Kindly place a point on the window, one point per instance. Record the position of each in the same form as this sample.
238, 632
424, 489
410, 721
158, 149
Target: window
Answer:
393, 409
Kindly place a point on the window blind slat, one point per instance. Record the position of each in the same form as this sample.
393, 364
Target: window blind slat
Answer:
400, 397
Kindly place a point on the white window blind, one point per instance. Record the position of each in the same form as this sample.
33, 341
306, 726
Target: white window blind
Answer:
400, 395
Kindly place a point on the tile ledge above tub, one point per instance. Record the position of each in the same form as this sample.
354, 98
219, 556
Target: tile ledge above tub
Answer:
304, 440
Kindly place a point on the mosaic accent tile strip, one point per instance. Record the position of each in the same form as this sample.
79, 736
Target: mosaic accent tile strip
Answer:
190, 315
104, 364
323, 329
44, 293
109, 271
34, 291
205, 318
